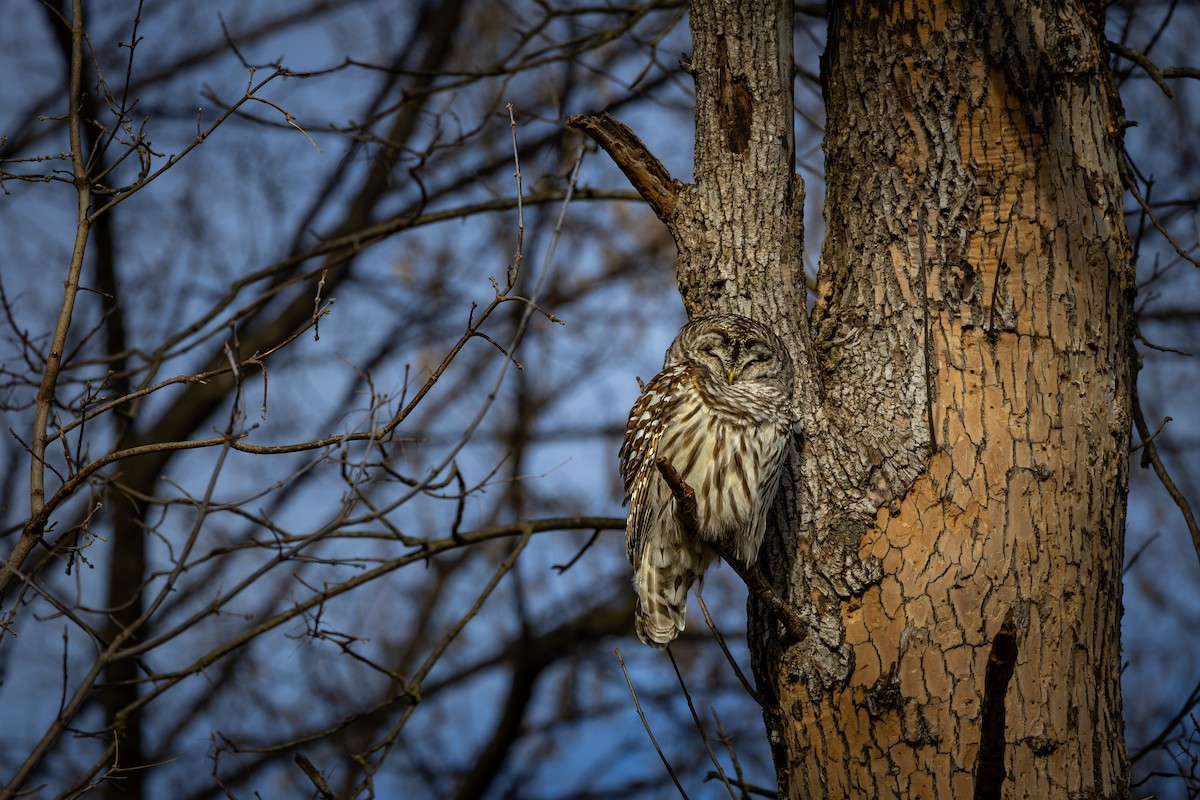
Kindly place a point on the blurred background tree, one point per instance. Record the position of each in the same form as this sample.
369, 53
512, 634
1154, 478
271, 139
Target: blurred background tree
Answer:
328, 446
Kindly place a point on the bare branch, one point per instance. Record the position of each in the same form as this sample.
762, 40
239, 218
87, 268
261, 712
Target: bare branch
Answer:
699, 725
1150, 457
644, 170
645, 724
46, 392
1145, 63
712, 626
314, 775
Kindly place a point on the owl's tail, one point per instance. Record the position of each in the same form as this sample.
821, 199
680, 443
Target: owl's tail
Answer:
662, 581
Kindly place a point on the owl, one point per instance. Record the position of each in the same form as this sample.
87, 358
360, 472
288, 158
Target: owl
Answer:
720, 413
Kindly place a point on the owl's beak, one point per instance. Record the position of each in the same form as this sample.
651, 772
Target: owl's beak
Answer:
732, 374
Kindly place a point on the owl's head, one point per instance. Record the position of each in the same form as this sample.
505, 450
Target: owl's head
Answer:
734, 350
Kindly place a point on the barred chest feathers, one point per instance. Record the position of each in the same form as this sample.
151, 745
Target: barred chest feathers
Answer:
731, 465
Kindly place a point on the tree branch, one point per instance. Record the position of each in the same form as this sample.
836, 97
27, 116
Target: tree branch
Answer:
315, 776
685, 512
45, 396
645, 172
1150, 457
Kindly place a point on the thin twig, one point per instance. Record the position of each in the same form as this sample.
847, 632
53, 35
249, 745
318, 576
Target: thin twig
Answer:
646, 725
699, 725
196, 142
517, 338
1133, 559
712, 626
1130, 182
748, 788
45, 396
413, 689
1145, 63
737, 765
561, 568
1151, 437
424, 552
315, 776
1193, 700
1150, 457
290, 119
514, 269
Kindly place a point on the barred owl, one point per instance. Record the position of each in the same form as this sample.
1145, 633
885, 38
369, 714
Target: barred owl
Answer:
720, 413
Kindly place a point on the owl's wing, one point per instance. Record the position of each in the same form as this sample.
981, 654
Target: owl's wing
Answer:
647, 420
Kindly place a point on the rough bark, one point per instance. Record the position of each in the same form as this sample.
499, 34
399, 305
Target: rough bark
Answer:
977, 253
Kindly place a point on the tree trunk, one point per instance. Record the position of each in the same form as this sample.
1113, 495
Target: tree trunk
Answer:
973, 312
952, 526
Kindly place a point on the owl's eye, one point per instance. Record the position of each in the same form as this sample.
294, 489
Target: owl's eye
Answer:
756, 356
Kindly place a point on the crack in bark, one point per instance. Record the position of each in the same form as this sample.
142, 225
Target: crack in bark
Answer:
989, 766
735, 103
